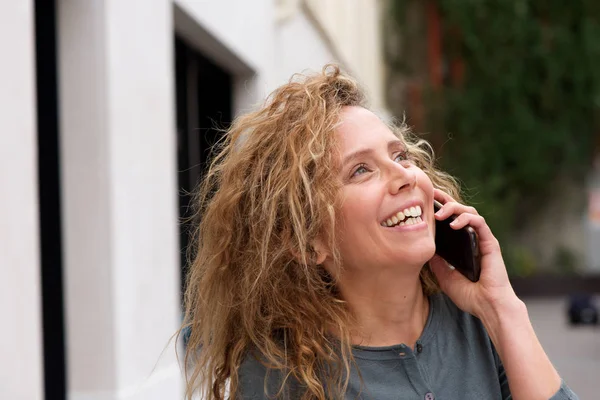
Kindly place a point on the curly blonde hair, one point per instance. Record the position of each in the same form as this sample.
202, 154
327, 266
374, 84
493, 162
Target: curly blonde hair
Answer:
254, 285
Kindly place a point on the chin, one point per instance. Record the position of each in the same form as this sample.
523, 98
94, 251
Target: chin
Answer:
422, 253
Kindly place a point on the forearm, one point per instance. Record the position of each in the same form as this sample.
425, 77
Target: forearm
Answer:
530, 373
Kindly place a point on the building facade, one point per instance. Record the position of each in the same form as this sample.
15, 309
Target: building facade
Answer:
107, 112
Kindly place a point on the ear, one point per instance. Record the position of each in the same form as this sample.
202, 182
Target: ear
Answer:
322, 251
318, 246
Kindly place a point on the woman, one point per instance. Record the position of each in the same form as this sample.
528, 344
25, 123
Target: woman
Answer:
305, 284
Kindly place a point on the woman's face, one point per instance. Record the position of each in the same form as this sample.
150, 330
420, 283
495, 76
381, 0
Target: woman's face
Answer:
380, 187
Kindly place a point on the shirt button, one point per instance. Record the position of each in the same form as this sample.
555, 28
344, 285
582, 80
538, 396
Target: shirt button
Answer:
419, 347
429, 396
402, 353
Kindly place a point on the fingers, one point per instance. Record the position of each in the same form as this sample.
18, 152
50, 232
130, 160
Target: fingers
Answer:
481, 228
451, 206
446, 274
440, 267
454, 208
466, 215
442, 196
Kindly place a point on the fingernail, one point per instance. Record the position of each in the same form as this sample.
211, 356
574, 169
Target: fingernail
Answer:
453, 223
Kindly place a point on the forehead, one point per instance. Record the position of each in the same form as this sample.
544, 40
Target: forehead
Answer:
361, 129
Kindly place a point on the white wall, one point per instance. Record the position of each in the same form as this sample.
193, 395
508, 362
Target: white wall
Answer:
119, 173
21, 376
264, 42
353, 31
299, 47
245, 29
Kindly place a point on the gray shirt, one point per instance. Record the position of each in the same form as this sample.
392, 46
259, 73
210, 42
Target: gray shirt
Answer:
454, 359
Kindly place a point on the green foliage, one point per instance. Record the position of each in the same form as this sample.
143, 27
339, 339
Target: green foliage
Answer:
520, 262
528, 107
566, 261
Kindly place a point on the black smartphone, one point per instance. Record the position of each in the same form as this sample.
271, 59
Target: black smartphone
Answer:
460, 248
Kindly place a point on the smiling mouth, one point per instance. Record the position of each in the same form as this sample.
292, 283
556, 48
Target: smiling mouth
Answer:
409, 216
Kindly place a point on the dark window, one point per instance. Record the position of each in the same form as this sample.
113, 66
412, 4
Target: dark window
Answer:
49, 201
203, 99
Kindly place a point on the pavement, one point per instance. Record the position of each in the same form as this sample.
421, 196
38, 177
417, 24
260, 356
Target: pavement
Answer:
574, 351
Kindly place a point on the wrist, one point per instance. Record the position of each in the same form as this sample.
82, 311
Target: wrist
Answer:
505, 322
529, 372
502, 309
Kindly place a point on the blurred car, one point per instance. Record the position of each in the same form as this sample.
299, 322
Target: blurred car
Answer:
582, 310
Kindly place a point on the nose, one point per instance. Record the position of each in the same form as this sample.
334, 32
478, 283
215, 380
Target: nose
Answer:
401, 178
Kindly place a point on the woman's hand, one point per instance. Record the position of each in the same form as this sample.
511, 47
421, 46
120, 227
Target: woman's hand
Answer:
529, 372
493, 288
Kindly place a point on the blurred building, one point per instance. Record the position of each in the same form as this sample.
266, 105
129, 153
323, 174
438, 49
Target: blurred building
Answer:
107, 110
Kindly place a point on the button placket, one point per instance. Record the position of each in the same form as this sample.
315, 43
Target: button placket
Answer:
408, 362
413, 371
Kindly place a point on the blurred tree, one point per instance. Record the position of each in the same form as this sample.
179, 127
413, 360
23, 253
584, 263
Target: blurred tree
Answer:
519, 94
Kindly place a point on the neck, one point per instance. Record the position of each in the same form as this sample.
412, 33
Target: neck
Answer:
389, 308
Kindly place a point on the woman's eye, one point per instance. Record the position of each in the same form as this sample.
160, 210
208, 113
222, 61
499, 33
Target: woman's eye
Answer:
401, 157
362, 169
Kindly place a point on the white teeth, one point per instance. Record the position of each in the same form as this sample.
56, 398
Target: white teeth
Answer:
413, 211
412, 215
413, 221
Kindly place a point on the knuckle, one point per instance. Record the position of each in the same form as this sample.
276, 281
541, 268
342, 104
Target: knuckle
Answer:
495, 244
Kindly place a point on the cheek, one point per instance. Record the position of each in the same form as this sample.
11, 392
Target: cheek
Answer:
425, 183
359, 206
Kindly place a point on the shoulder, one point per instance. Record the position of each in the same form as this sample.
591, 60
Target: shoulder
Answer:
447, 306
466, 352
258, 381
251, 374
462, 327
451, 314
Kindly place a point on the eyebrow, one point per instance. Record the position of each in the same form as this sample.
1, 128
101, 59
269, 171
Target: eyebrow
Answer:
364, 152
